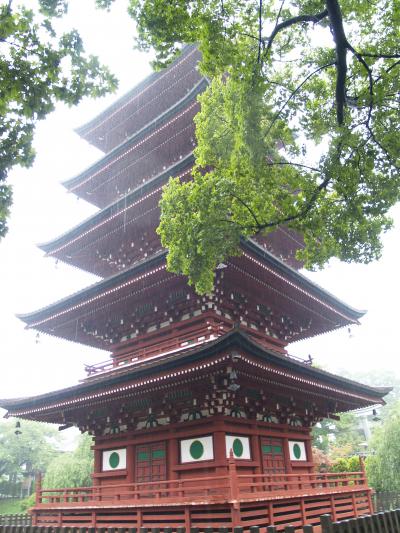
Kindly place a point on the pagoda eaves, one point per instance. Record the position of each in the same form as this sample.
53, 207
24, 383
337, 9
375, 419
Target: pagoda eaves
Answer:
159, 144
272, 298
123, 233
144, 102
333, 393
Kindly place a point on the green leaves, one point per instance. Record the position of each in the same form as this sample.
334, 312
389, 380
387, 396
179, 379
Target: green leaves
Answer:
38, 69
71, 469
272, 148
383, 465
31, 450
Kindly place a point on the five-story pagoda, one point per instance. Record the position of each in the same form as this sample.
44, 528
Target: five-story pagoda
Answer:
200, 417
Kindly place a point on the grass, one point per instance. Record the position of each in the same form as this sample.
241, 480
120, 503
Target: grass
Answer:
11, 506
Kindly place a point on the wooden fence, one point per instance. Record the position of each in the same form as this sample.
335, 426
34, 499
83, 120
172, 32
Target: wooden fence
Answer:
388, 522
386, 501
15, 520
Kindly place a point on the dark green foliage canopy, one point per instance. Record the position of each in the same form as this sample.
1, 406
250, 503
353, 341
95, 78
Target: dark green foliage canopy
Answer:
299, 126
38, 68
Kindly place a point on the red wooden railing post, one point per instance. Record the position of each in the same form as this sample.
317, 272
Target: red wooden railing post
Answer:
38, 488
234, 490
233, 479
361, 458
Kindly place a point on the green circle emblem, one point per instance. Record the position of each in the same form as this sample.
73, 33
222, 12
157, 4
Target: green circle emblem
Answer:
196, 449
114, 460
296, 451
237, 448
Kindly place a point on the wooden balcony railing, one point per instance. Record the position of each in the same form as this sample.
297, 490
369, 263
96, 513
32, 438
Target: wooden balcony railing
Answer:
215, 489
193, 332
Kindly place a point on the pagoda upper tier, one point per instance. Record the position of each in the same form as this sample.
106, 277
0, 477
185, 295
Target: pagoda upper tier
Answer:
145, 102
161, 143
145, 305
140, 310
124, 232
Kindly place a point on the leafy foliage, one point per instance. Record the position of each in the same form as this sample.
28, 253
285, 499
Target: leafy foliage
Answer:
338, 438
384, 465
298, 126
71, 469
15, 506
37, 69
29, 451
346, 464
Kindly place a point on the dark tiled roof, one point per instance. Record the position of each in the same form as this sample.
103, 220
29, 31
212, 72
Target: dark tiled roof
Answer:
234, 340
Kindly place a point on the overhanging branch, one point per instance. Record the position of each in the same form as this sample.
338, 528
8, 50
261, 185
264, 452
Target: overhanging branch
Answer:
291, 22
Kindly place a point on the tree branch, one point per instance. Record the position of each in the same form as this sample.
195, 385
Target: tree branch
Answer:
306, 209
370, 81
260, 41
296, 91
380, 56
248, 209
290, 22
300, 165
337, 29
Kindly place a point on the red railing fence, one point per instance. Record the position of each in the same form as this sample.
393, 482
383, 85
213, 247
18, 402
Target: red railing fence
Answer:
231, 486
387, 522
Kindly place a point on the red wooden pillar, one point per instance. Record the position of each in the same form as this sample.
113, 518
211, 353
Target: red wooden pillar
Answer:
354, 504
173, 458
220, 451
309, 454
97, 465
130, 463
256, 453
234, 491
286, 452
333, 509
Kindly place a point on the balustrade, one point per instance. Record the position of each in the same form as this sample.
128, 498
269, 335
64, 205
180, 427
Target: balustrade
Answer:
213, 489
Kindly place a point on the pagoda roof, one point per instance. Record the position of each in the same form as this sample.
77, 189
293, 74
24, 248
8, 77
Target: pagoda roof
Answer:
98, 290
98, 172
116, 208
293, 288
296, 277
106, 229
115, 115
144, 374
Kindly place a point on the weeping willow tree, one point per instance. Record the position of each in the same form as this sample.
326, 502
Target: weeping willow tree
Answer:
384, 462
71, 469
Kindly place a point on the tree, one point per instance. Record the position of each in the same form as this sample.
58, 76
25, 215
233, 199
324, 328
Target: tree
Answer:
38, 68
346, 464
28, 451
383, 465
71, 469
338, 438
298, 127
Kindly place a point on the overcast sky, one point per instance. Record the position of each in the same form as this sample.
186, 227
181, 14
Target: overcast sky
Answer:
43, 209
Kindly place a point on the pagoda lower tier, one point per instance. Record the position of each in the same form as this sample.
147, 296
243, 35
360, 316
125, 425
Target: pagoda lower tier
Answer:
213, 435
